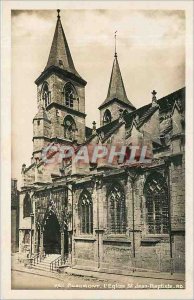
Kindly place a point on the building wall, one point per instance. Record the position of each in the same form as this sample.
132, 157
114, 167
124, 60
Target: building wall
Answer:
116, 252
14, 216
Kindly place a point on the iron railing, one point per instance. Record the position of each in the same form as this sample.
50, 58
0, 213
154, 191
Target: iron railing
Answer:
59, 261
37, 258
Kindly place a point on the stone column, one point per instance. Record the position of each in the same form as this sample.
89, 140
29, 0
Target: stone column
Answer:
98, 195
99, 233
70, 232
62, 244
35, 244
41, 243
21, 238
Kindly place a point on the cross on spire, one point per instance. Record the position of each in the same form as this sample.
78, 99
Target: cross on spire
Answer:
154, 93
58, 11
154, 100
116, 43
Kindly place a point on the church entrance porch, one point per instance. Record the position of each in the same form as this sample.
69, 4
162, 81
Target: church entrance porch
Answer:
52, 235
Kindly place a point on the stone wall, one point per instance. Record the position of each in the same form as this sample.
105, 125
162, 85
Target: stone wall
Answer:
140, 250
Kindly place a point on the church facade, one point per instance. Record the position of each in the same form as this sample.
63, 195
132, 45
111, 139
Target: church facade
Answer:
115, 218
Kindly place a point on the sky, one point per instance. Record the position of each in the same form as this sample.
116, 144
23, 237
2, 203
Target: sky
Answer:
151, 55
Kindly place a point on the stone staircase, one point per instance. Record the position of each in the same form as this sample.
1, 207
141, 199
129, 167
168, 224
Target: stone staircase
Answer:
44, 265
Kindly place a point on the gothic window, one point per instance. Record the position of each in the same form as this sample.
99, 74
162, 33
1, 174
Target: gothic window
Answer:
86, 213
27, 207
156, 194
117, 210
45, 95
69, 128
107, 117
70, 95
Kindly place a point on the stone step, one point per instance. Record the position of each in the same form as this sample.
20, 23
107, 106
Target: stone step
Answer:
42, 268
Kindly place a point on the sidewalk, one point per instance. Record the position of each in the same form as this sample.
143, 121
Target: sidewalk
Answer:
167, 277
102, 275
19, 266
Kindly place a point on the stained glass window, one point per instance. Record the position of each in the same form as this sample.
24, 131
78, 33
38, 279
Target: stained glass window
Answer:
117, 210
156, 194
86, 213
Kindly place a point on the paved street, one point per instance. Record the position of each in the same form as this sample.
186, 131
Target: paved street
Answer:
23, 280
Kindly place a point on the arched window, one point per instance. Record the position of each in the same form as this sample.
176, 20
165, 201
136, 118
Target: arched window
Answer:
70, 95
117, 210
69, 128
107, 117
45, 95
27, 207
86, 213
156, 194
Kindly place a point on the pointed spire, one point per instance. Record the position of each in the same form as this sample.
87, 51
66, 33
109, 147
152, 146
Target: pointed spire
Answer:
60, 55
116, 88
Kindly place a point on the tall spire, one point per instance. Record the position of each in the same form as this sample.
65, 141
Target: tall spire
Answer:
116, 88
60, 55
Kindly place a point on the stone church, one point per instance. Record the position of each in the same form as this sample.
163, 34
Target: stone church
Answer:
108, 218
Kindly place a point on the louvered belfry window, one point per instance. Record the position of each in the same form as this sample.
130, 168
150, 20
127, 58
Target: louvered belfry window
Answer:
86, 213
156, 194
117, 210
69, 95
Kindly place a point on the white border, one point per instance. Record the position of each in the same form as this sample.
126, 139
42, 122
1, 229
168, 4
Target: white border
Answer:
6, 292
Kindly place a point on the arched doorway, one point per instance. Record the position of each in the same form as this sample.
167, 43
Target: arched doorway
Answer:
52, 235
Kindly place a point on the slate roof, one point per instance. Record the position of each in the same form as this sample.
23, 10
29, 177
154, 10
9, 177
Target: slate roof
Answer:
165, 105
110, 132
147, 114
60, 55
106, 128
116, 88
88, 131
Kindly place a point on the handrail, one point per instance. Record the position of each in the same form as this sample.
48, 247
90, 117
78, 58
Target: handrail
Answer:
37, 258
58, 261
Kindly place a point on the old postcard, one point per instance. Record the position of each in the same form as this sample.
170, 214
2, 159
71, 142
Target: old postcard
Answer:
97, 142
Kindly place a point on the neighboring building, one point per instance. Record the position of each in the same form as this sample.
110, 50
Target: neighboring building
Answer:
14, 216
107, 218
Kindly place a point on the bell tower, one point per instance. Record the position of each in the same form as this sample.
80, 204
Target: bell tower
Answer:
116, 100
60, 96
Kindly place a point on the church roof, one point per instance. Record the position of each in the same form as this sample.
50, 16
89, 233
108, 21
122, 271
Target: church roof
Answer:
116, 90
60, 55
107, 127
